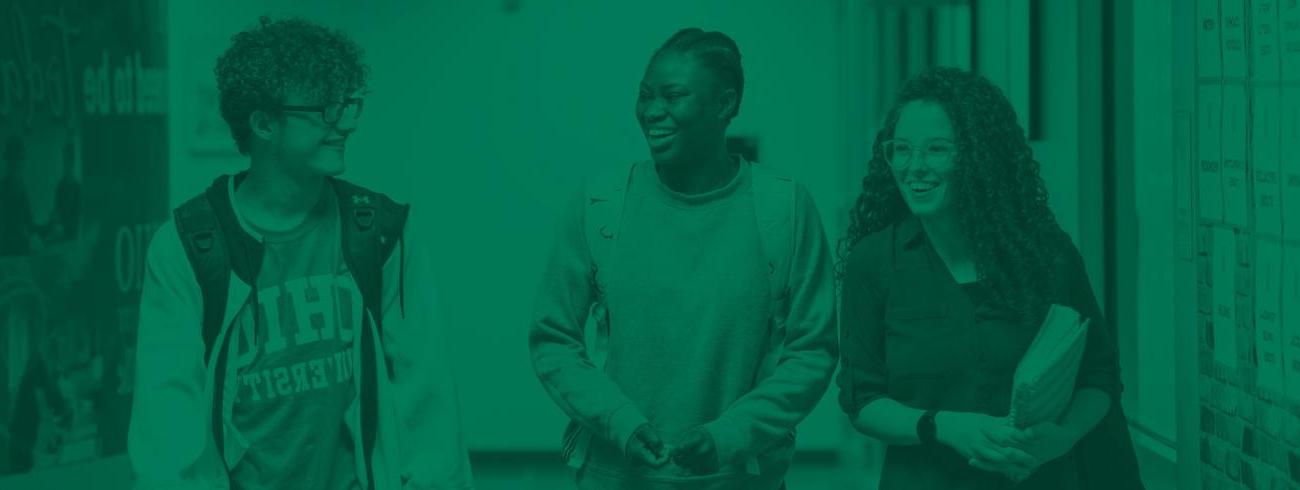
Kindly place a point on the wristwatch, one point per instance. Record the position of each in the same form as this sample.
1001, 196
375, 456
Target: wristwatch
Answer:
925, 429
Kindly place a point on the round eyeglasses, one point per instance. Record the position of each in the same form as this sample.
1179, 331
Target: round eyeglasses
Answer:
350, 108
935, 152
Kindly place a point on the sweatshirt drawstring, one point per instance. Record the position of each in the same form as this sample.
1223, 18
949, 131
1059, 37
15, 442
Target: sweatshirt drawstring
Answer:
257, 298
401, 275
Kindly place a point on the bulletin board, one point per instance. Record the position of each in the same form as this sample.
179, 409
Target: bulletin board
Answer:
83, 120
1246, 187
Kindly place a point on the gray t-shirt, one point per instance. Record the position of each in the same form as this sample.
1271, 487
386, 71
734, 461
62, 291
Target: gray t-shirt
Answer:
295, 366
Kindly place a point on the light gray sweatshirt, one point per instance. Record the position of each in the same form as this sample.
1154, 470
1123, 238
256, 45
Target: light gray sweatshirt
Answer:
690, 308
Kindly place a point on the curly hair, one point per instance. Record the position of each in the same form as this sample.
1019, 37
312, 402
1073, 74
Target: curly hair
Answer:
276, 59
1000, 202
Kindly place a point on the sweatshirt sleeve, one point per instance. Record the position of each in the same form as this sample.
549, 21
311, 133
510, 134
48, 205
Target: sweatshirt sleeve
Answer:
431, 439
556, 342
169, 432
779, 402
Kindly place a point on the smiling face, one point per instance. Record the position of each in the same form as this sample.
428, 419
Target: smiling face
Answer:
924, 177
307, 145
682, 109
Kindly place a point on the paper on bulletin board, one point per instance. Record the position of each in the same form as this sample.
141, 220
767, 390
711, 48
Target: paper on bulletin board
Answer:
1208, 61
1225, 297
1264, 144
1264, 39
1289, 39
1236, 197
1290, 163
1209, 154
1268, 304
1291, 319
1233, 15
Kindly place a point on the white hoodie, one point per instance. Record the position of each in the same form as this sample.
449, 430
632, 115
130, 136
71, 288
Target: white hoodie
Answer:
419, 444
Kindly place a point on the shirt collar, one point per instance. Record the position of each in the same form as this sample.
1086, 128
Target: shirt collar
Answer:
910, 234
707, 198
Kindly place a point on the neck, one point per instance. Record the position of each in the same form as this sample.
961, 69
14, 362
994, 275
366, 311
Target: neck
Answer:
277, 200
708, 172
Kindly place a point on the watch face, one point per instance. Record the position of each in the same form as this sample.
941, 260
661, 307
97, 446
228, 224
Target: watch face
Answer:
925, 428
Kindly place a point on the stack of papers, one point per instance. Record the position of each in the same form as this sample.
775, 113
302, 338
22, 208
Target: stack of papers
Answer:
1043, 384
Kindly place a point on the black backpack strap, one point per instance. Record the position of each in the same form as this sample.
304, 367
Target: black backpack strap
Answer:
245, 251
217, 247
205, 246
372, 226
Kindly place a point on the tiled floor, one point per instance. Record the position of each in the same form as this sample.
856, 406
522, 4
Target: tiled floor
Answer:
544, 472
811, 471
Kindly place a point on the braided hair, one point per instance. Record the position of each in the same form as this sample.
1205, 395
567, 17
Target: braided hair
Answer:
713, 50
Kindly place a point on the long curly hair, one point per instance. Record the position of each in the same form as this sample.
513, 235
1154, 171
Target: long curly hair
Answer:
1000, 200
275, 59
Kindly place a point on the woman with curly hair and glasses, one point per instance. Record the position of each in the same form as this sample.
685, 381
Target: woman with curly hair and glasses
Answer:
951, 262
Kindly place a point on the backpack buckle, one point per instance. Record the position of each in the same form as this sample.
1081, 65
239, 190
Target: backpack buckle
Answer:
203, 240
365, 218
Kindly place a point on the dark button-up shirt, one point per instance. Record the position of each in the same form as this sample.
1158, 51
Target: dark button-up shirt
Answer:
910, 332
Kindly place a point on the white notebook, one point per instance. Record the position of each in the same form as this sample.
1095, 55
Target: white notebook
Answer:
1043, 384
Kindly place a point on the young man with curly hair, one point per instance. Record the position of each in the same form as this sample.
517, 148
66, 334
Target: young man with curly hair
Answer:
275, 347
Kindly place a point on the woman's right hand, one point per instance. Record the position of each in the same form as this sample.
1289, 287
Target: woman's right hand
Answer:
969, 434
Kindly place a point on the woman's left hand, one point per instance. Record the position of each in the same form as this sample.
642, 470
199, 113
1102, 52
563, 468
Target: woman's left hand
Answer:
1008, 437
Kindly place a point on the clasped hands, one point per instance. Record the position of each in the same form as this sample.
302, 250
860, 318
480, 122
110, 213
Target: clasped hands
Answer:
991, 444
695, 451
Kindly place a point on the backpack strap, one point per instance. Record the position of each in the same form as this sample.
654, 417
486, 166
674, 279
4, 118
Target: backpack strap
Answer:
205, 247
216, 247
606, 194
774, 206
372, 226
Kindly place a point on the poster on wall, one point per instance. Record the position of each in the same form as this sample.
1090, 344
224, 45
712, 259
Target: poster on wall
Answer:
83, 184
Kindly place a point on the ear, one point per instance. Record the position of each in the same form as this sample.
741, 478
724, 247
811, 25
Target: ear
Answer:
726, 104
263, 124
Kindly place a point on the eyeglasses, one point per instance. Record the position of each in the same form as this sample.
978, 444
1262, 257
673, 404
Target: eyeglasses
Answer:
936, 152
350, 107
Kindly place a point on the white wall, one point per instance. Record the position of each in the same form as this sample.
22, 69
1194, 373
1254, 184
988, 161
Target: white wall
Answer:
1153, 162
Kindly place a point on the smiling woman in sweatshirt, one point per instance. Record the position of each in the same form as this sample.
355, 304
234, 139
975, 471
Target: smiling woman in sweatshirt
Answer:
720, 315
